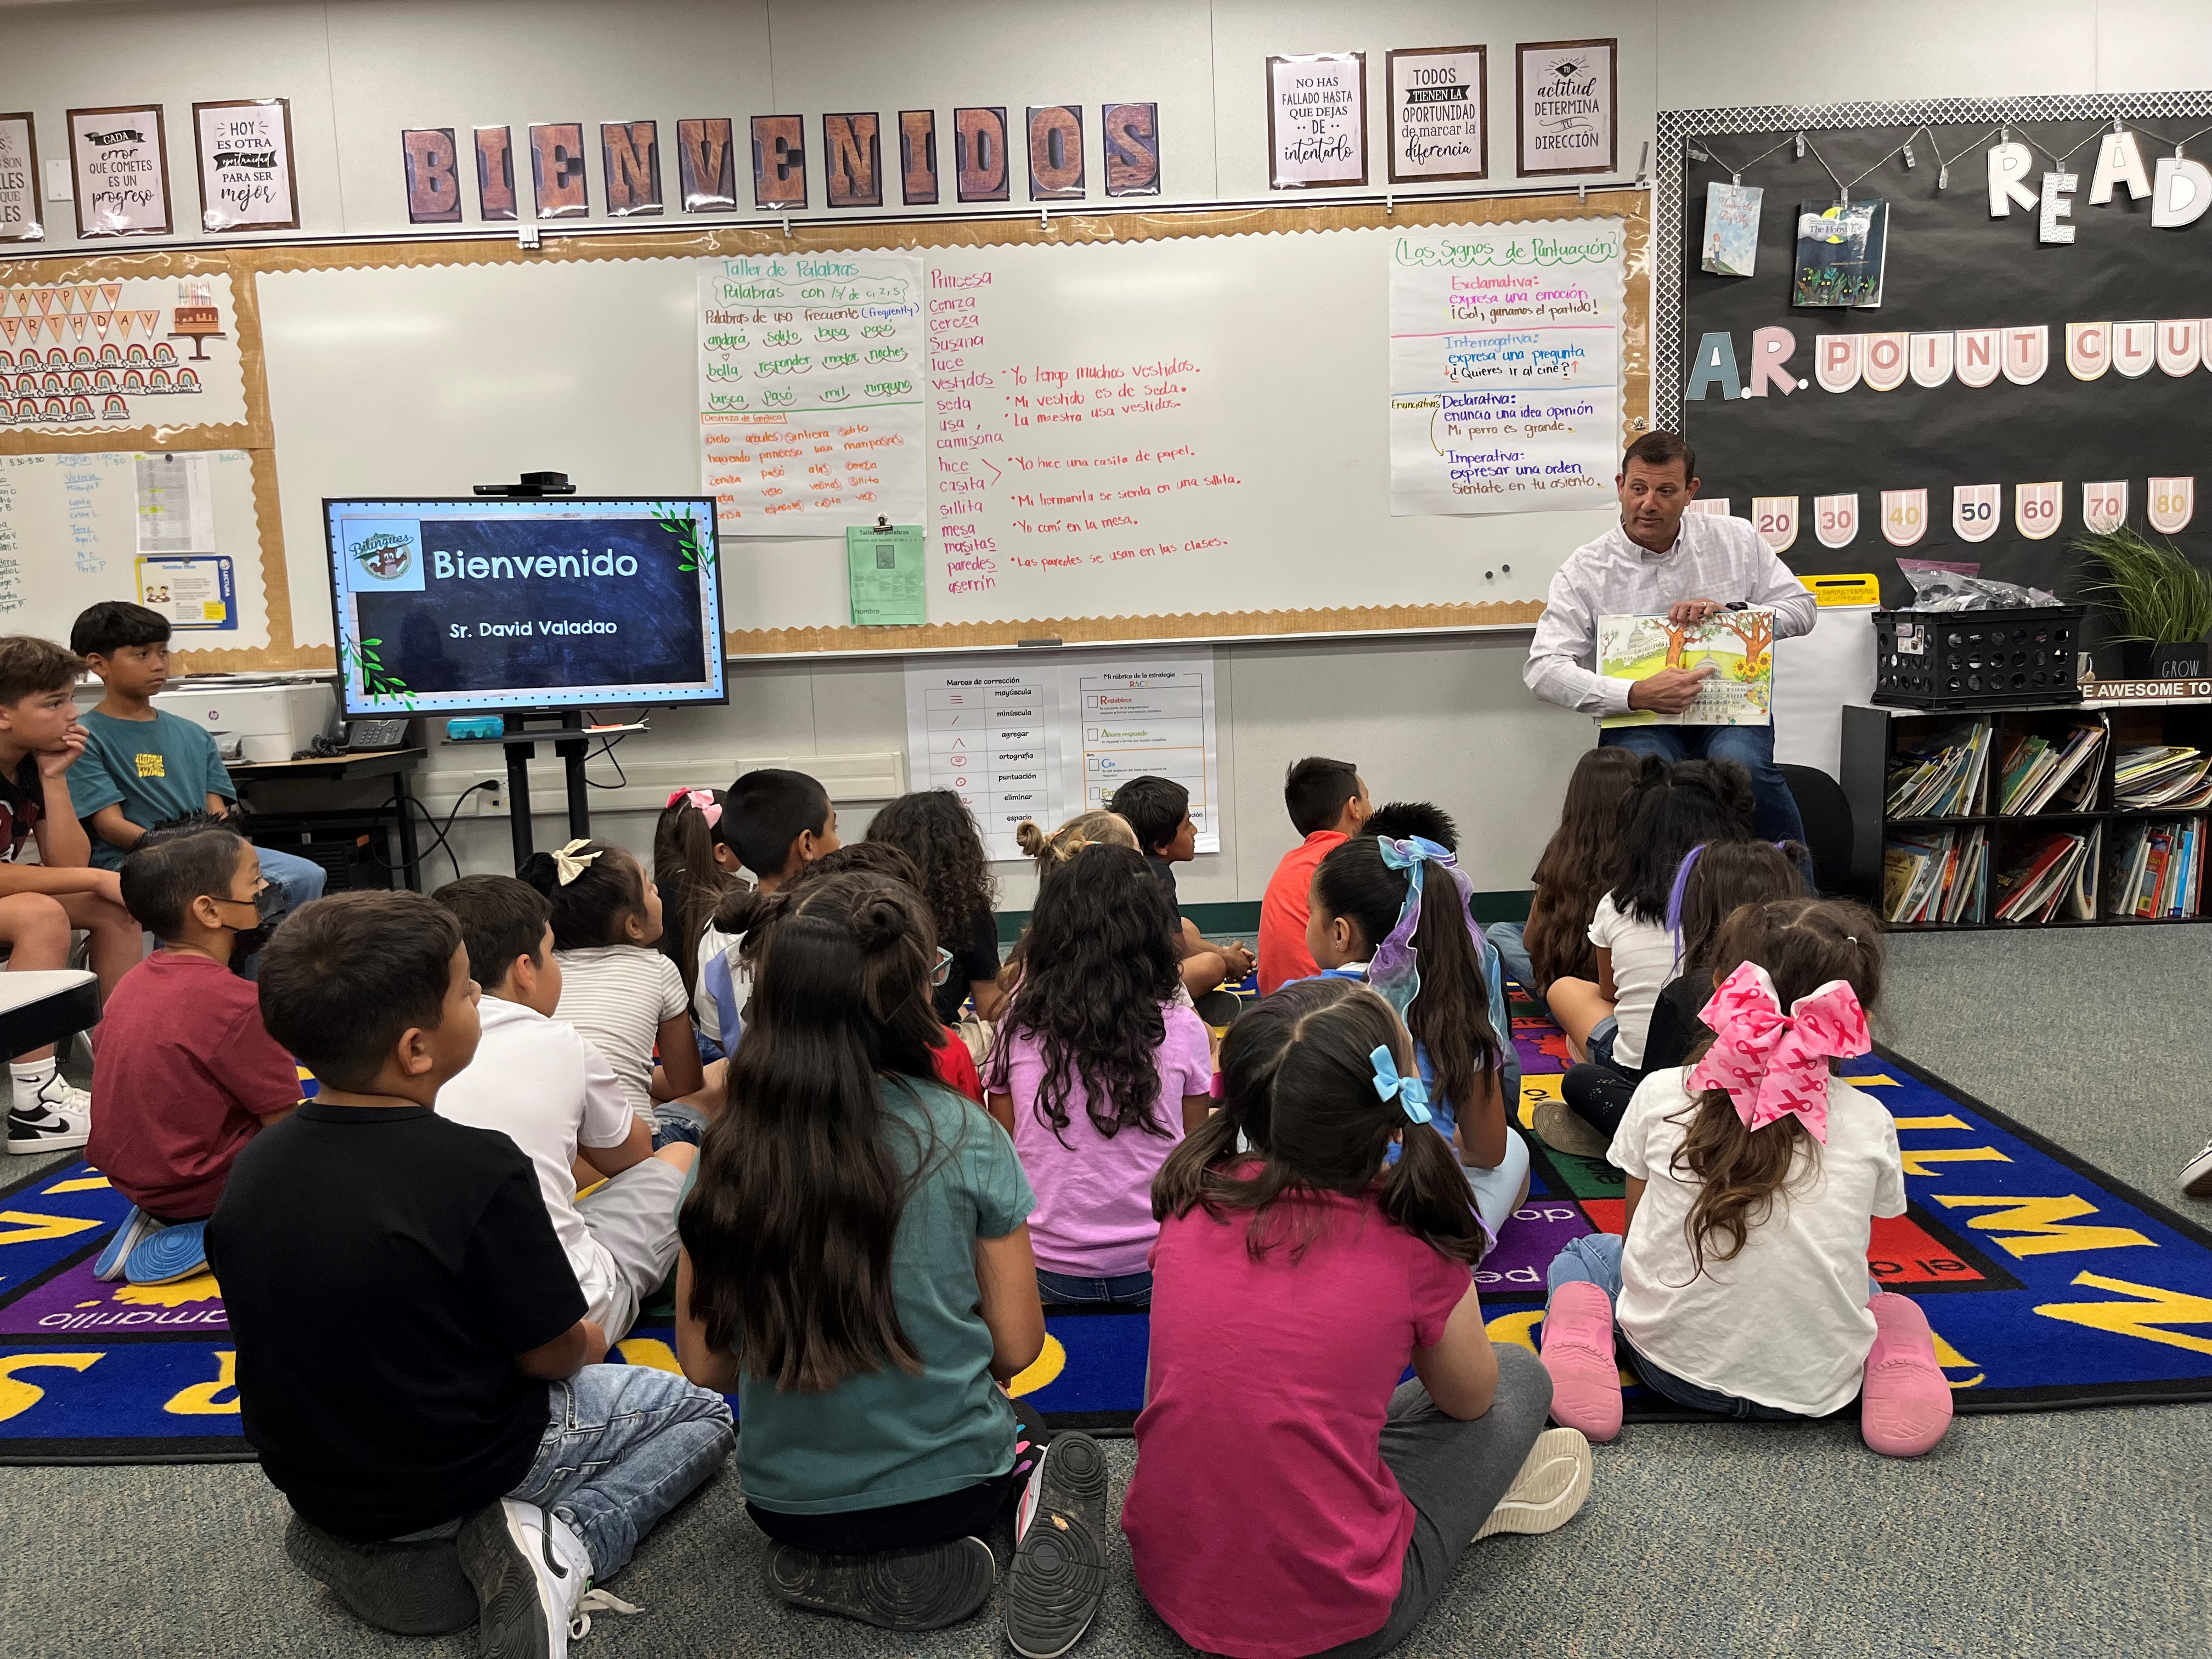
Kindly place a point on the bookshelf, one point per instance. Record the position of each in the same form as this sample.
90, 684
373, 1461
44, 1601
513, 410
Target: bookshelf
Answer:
1878, 740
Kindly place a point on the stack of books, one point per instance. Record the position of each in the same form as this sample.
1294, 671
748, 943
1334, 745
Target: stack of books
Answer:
2160, 775
2057, 875
1940, 776
2155, 868
1943, 877
2038, 771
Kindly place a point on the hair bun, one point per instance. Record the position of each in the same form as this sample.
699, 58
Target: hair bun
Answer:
540, 873
1030, 838
880, 925
742, 910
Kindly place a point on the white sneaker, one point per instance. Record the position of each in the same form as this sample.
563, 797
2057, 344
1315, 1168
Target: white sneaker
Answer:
1554, 1480
533, 1582
48, 1115
2196, 1175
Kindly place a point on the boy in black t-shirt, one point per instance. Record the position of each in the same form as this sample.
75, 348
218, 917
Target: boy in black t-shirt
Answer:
1158, 813
414, 1363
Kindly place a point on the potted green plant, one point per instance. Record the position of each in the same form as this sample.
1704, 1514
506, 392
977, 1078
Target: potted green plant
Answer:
2162, 600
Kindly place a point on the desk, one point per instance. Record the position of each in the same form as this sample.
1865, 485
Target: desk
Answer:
394, 764
37, 1008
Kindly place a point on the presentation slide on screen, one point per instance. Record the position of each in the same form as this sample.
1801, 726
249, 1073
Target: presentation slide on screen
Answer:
529, 604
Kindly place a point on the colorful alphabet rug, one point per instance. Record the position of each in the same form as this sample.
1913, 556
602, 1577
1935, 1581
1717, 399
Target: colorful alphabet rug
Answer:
2049, 1285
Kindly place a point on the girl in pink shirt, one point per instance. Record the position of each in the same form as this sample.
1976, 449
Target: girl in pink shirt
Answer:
1290, 1497
1098, 1070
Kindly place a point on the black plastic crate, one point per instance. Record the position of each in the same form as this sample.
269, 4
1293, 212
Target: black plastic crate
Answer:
1959, 658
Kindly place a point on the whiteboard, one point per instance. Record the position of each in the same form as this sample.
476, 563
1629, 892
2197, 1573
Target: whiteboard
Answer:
1264, 488
69, 538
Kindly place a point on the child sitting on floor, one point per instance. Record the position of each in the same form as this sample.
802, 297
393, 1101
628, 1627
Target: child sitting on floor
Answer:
41, 904
143, 765
1393, 914
1673, 808
1328, 803
1290, 1495
536, 1081
187, 1074
856, 1265
774, 822
1399, 819
694, 869
1754, 1178
620, 993
415, 1366
935, 831
1098, 1073
1714, 879
1571, 876
956, 1066
1157, 811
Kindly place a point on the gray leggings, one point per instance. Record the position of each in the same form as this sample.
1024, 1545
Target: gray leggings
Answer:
1454, 1474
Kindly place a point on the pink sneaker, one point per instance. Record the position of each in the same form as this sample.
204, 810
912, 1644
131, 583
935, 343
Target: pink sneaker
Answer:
1578, 1353
1905, 1404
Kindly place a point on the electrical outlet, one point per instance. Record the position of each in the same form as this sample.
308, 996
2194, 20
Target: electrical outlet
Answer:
491, 800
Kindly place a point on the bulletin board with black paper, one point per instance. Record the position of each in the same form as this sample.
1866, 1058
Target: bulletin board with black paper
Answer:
2040, 361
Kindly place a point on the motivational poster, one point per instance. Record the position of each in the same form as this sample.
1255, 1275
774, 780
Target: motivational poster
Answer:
1317, 120
247, 181
120, 158
1439, 113
1505, 366
1568, 97
18, 181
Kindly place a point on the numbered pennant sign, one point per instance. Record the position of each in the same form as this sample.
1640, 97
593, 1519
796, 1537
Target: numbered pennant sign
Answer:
1775, 518
1836, 519
1904, 516
1974, 510
2036, 508
2105, 506
2172, 504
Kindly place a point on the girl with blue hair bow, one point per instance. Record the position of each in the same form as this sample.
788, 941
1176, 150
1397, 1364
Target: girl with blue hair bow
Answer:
1393, 911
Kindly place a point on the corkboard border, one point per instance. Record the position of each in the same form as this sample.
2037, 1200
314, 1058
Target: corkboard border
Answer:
243, 265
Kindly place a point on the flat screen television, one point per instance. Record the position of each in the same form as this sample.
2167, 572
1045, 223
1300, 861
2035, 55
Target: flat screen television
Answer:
494, 605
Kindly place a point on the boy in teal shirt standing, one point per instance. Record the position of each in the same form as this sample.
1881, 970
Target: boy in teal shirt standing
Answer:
144, 766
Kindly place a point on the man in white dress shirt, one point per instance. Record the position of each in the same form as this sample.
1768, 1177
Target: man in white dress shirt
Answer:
1655, 560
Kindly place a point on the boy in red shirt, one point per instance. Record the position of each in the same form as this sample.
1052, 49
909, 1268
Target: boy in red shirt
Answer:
187, 1073
1328, 802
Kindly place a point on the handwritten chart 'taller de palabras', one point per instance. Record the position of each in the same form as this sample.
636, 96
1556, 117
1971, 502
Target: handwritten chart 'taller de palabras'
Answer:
811, 369
1505, 372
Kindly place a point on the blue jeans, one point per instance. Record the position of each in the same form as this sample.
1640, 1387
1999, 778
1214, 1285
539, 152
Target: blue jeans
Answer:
297, 878
1064, 1290
1595, 1259
626, 1444
1751, 747
1505, 938
1599, 1044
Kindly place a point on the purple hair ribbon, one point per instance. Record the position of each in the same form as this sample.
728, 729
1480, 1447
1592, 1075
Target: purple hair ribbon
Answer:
1395, 973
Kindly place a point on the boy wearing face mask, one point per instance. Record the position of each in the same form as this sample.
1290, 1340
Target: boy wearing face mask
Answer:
187, 1073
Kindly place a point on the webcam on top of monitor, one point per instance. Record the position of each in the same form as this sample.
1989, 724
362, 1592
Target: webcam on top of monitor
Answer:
532, 485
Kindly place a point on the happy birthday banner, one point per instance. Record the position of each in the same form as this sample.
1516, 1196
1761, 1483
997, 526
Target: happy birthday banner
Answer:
138, 351
1998, 347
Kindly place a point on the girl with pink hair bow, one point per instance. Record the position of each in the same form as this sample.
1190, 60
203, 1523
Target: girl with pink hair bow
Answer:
1739, 1286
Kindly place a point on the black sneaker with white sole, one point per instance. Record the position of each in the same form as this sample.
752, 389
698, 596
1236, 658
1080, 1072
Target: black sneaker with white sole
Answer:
902, 1589
1057, 1580
416, 1590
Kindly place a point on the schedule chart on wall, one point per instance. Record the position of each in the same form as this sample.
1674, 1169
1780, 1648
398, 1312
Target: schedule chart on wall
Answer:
1019, 738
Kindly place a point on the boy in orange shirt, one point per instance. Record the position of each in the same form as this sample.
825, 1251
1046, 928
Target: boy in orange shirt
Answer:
1328, 801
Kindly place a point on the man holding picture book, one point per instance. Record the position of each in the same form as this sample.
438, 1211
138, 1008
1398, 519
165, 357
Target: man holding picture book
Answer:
1660, 561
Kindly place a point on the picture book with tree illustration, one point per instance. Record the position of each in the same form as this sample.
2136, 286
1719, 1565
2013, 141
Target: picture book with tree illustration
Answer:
1738, 645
